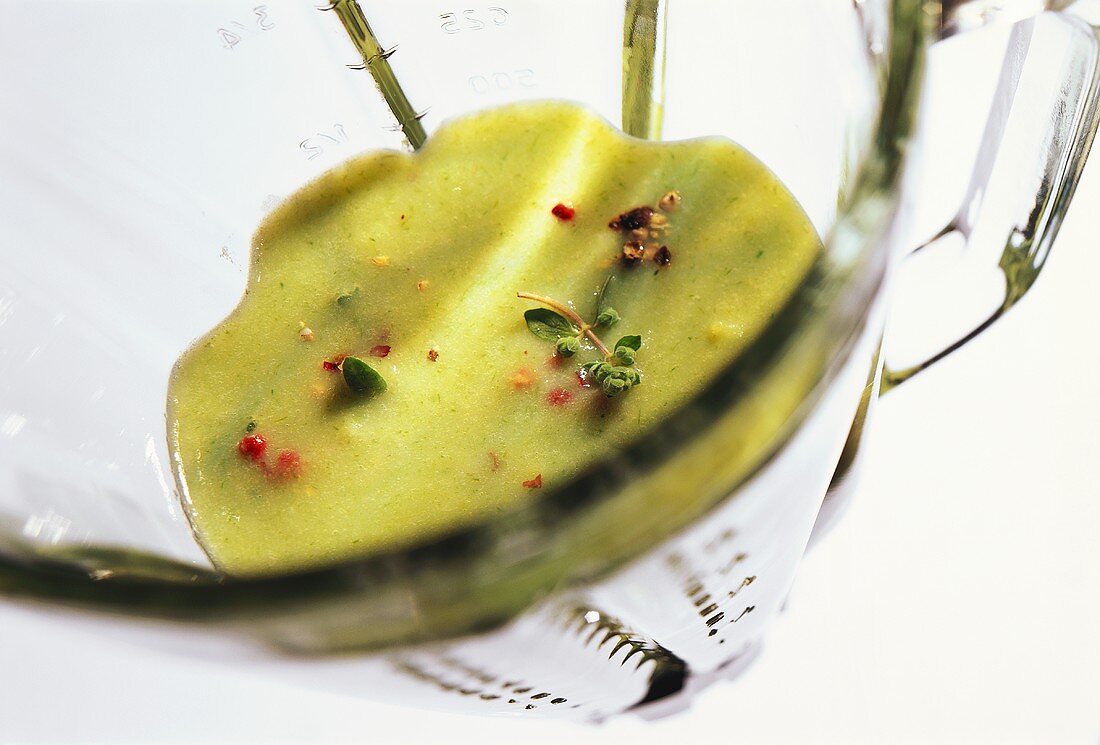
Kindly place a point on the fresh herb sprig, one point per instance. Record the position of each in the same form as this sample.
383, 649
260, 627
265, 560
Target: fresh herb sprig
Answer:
558, 323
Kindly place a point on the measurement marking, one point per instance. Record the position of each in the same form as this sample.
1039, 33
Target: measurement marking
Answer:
230, 39
732, 563
744, 613
723, 537
451, 24
314, 145
744, 583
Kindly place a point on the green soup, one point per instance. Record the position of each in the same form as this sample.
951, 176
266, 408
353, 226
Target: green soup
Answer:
412, 264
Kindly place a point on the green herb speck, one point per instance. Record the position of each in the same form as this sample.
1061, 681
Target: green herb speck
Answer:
361, 378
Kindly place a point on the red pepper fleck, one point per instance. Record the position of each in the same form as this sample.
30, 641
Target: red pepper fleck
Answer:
559, 397
555, 360
494, 460
333, 364
252, 446
563, 212
382, 350
535, 483
288, 464
582, 380
432, 355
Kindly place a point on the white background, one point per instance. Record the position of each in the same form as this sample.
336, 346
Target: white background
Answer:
957, 601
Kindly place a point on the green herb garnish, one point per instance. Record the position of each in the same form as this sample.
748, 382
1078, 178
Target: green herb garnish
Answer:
567, 346
548, 325
633, 342
558, 323
606, 316
344, 299
361, 378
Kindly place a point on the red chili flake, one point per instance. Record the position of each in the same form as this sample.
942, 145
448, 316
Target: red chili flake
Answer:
535, 483
382, 350
559, 397
432, 355
494, 460
563, 212
288, 464
252, 446
663, 257
555, 360
333, 364
582, 380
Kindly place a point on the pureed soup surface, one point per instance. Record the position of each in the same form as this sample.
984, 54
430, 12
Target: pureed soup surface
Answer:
412, 264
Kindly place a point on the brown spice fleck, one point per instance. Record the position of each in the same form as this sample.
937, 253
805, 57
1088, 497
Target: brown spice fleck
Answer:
633, 252
670, 201
432, 355
494, 461
535, 483
422, 285
663, 257
639, 217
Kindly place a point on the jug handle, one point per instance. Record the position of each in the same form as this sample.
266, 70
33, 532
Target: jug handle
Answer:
1071, 128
